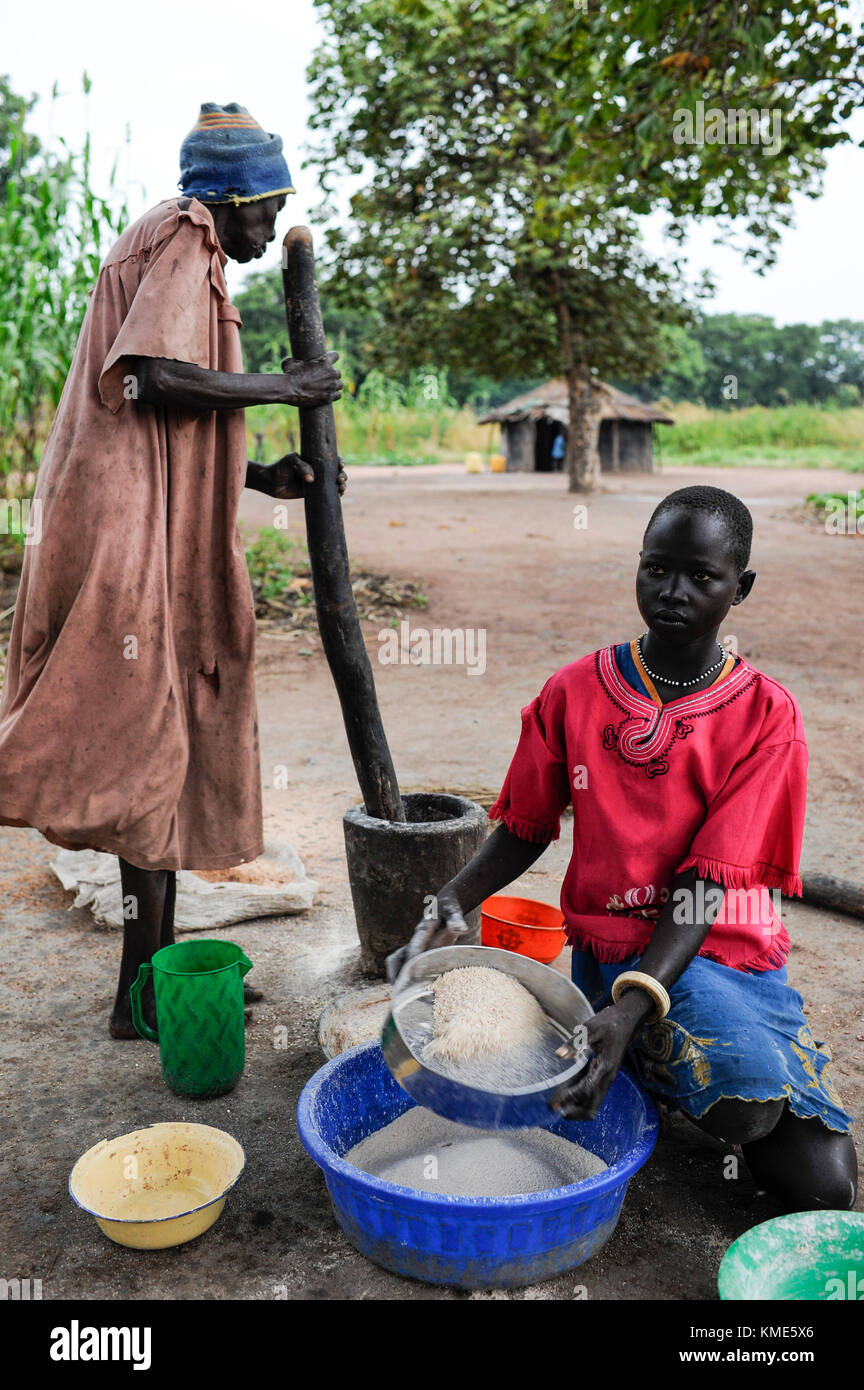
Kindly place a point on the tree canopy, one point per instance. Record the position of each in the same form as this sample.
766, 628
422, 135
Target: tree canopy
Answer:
504, 150
773, 364
770, 364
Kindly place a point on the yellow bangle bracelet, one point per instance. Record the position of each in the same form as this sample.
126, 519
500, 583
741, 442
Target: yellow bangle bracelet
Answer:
637, 979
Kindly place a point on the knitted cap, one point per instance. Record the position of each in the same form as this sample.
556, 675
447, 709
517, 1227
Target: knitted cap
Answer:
228, 158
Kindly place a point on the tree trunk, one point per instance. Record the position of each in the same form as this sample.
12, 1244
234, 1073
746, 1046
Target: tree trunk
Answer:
838, 894
583, 435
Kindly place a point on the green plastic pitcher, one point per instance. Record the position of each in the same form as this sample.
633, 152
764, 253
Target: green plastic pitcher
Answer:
199, 1012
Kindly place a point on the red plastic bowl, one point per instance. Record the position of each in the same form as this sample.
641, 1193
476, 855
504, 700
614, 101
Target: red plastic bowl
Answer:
522, 925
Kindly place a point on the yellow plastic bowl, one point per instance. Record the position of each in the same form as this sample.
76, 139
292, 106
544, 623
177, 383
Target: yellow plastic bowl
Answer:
158, 1186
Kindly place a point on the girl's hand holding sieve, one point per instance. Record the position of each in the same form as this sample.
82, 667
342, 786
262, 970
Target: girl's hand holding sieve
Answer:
443, 927
608, 1036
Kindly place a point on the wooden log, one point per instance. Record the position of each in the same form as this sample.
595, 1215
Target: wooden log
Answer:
338, 623
839, 894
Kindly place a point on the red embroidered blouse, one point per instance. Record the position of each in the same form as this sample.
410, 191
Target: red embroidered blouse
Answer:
714, 781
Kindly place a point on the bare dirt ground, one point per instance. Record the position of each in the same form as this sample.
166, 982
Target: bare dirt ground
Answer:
499, 553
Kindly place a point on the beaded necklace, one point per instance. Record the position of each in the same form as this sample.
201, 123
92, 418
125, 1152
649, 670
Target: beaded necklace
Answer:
665, 680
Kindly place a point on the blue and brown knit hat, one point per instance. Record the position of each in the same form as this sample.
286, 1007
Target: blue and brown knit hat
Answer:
228, 158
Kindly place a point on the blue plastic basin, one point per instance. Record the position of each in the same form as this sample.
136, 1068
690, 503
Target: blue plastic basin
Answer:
469, 1242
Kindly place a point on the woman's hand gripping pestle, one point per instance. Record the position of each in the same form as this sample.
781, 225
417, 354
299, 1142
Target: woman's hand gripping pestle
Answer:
444, 925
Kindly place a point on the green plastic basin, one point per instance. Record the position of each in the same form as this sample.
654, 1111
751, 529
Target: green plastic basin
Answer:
808, 1255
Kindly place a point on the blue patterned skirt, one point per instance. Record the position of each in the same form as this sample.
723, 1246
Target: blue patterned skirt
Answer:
729, 1034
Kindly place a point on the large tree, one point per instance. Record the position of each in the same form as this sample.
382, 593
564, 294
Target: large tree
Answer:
504, 151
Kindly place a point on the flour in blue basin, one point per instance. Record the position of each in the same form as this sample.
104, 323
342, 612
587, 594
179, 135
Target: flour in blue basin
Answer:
426, 1152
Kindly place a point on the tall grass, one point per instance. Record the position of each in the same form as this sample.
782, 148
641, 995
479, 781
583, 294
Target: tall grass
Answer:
386, 422
54, 230
797, 435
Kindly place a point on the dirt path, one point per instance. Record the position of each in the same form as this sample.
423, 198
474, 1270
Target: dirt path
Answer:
501, 553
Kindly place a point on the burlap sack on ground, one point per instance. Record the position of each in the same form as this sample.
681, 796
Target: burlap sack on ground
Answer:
201, 906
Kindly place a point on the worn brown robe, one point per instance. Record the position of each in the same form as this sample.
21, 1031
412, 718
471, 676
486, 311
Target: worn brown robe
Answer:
128, 719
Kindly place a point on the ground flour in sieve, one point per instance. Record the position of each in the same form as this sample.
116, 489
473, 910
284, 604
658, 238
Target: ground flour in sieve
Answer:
424, 1151
489, 1032
479, 1012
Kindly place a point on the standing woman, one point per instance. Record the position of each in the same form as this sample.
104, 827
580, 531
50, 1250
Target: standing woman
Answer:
128, 720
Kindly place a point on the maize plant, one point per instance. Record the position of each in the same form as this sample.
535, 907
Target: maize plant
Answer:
54, 231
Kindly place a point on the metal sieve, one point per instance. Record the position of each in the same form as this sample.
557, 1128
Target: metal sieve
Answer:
408, 1027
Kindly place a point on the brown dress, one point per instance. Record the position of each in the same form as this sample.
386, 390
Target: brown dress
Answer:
128, 719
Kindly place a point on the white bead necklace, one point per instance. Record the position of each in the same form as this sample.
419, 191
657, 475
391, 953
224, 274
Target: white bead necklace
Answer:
665, 679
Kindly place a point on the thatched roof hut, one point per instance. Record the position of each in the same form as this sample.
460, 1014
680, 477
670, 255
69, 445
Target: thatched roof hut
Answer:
531, 424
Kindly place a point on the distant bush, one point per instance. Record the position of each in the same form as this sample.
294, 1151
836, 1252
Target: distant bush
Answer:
849, 505
273, 559
800, 435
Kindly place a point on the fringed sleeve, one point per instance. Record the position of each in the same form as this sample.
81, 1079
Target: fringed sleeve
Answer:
537, 786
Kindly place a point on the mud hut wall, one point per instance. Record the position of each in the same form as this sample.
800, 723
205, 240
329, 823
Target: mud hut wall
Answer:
625, 446
519, 445
607, 447
635, 446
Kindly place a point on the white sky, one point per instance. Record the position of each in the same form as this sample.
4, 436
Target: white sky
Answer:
151, 67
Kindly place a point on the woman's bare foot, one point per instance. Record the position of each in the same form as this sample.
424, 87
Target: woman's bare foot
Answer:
250, 996
120, 1023
148, 894
119, 1027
